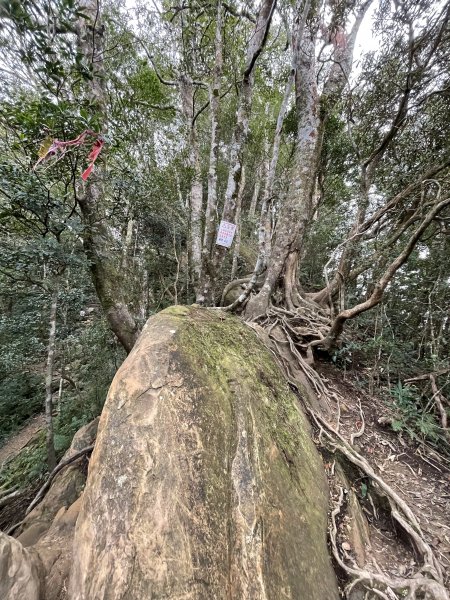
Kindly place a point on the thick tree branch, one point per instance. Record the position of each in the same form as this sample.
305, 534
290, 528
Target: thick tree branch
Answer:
239, 13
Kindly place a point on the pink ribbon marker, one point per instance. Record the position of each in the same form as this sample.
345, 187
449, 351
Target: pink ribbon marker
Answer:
61, 147
93, 155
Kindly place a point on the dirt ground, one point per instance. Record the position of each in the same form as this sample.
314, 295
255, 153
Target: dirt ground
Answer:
16, 442
416, 472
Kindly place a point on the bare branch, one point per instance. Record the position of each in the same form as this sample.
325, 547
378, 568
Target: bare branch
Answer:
55, 472
381, 285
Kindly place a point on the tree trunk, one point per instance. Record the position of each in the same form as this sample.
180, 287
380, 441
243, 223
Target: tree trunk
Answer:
98, 240
265, 224
50, 445
298, 209
106, 275
265, 221
211, 205
295, 212
254, 49
237, 241
186, 87
255, 195
127, 241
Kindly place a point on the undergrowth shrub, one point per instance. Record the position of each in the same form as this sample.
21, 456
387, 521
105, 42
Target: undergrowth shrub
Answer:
414, 414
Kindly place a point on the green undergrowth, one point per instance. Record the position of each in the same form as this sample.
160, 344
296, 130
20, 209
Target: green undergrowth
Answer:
20, 399
414, 411
414, 416
93, 373
27, 467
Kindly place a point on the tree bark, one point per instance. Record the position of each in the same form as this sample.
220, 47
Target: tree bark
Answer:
298, 209
49, 437
186, 87
237, 241
295, 212
265, 225
254, 49
255, 195
211, 204
98, 240
265, 222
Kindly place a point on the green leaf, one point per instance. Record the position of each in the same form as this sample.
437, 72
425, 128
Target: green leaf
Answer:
364, 490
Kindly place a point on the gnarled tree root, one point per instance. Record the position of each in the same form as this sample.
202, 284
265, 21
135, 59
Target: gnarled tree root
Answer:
378, 584
284, 329
428, 580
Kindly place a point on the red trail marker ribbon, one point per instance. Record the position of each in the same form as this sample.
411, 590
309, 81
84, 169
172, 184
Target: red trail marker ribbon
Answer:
59, 148
93, 155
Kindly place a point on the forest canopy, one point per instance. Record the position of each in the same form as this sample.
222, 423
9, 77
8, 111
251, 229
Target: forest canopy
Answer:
281, 170
129, 131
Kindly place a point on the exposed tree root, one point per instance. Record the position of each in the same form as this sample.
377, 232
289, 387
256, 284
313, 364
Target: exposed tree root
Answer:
233, 284
289, 336
400, 512
44, 489
379, 585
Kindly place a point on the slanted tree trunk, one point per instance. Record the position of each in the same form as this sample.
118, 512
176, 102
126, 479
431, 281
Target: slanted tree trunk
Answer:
378, 290
98, 240
369, 164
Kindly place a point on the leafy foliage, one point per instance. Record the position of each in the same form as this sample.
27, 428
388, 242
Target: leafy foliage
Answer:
147, 178
412, 415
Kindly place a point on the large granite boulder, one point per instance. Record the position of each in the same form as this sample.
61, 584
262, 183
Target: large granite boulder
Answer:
204, 482
21, 573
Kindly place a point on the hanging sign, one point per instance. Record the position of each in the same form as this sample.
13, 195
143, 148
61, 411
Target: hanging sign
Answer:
225, 234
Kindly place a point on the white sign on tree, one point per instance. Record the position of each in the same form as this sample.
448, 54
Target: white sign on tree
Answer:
225, 234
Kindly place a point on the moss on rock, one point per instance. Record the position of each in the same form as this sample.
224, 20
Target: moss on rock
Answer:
204, 482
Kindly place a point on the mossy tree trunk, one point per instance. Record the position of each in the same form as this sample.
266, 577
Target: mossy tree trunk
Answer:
98, 239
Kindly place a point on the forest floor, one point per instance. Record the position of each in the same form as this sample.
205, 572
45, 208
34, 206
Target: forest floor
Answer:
14, 510
414, 470
22, 438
